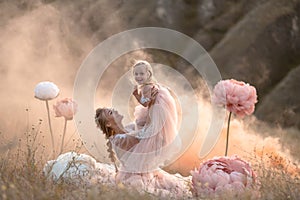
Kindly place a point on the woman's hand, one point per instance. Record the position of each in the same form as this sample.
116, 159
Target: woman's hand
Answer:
135, 90
136, 93
154, 92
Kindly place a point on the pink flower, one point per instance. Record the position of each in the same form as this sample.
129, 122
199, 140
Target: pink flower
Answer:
237, 96
222, 175
65, 108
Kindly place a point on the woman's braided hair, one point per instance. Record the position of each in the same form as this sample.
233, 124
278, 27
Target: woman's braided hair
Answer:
101, 121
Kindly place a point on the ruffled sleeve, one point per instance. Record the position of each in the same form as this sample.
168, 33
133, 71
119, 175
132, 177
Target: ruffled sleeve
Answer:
124, 141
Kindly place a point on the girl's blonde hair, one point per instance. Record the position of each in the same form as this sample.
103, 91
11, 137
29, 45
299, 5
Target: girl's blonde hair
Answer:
148, 68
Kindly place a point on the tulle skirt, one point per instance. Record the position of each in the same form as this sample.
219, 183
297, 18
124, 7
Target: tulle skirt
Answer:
167, 185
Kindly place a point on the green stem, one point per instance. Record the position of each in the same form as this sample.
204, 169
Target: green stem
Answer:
63, 136
227, 138
50, 127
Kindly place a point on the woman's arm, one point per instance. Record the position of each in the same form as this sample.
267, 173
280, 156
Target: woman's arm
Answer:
125, 141
136, 93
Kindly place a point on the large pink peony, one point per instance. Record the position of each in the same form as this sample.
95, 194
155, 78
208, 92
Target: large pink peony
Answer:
222, 175
65, 108
237, 96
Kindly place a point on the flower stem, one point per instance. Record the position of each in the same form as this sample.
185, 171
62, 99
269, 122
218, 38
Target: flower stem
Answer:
227, 137
63, 136
50, 127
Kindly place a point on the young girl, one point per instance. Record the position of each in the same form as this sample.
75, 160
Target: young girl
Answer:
143, 76
156, 118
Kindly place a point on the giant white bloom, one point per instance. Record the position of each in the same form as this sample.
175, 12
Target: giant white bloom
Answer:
46, 91
77, 168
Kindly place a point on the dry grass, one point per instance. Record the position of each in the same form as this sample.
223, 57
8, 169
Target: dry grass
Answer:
277, 177
21, 176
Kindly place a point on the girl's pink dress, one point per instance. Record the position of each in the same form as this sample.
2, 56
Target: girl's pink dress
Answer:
159, 140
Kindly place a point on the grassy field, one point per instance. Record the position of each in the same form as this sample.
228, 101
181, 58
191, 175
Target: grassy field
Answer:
21, 176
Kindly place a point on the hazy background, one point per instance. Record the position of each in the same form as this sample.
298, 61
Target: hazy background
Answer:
254, 41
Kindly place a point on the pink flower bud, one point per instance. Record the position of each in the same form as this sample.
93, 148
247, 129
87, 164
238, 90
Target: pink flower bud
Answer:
65, 108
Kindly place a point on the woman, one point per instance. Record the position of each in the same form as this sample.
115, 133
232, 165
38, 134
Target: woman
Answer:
110, 122
135, 152
124, 144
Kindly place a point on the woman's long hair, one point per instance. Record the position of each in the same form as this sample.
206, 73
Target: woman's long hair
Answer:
101, 121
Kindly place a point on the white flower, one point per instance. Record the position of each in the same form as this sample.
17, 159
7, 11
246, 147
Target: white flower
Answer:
79, 168
69, 165
46, 91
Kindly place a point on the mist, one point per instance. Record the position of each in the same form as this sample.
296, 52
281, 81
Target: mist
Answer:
38, 46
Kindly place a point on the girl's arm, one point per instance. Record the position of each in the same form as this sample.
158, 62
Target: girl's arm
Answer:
140, 97
147, 96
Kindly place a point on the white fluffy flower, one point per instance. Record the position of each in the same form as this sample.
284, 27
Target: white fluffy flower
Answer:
68, 165
46, 91
75, 168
